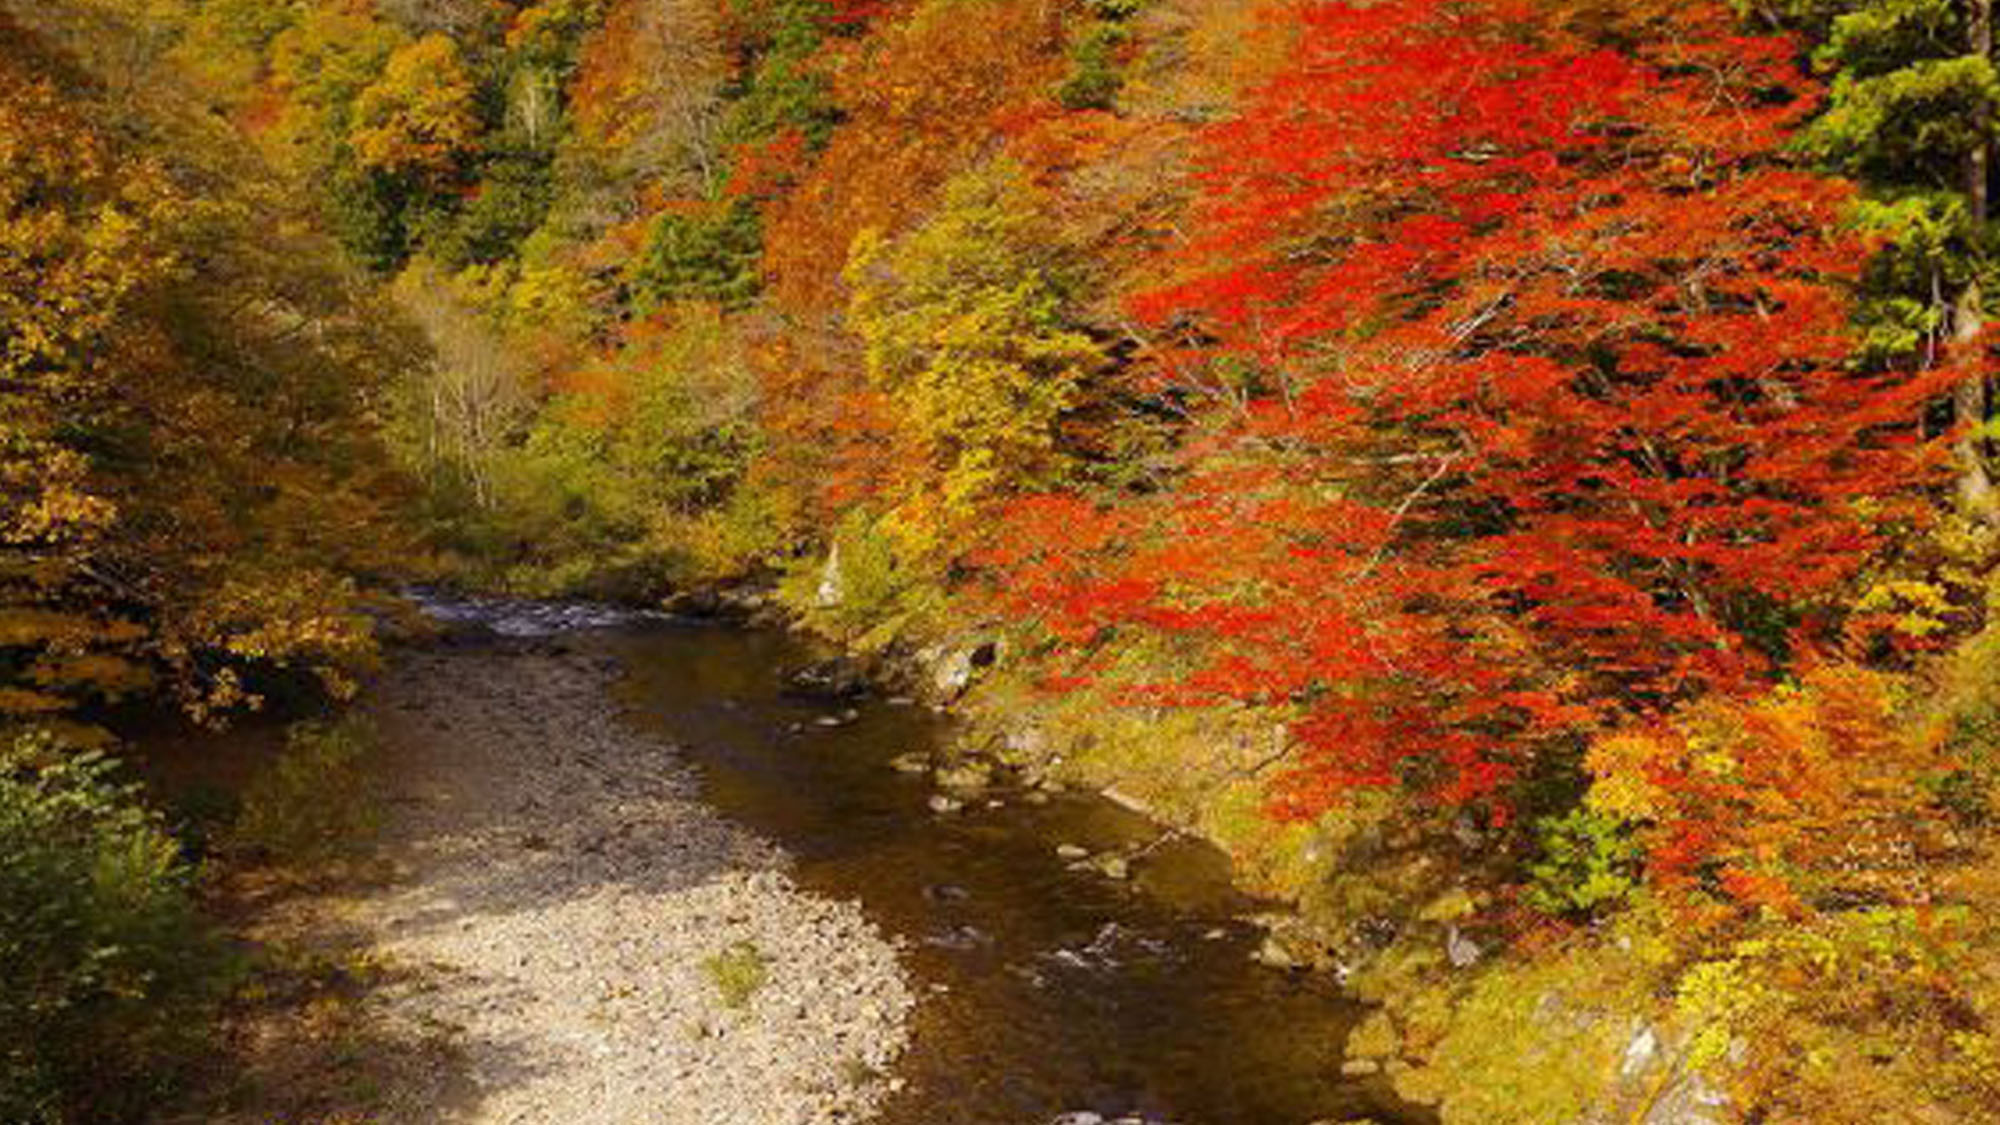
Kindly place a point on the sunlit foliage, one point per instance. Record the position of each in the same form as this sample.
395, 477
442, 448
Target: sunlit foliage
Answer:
1508, 441
1528, 365
188, 460
966, 330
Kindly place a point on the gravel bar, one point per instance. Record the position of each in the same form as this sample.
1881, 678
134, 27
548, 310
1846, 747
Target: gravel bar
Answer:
561, 890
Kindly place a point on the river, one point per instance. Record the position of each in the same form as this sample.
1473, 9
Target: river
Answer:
1046, 989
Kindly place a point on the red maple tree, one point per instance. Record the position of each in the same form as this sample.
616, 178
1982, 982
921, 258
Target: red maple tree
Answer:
1525, 356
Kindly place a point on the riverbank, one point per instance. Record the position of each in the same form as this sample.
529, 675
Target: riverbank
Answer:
575, 936
1390, 906
1072, 956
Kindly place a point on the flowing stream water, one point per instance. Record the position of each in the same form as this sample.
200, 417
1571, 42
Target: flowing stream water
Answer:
1047, 990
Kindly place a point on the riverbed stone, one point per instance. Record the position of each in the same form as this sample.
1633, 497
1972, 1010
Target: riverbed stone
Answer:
835, 679
1640, 1052
966, 777
1461, 950
953, 667
952, 674
1273, 953
563, 886
1027, 744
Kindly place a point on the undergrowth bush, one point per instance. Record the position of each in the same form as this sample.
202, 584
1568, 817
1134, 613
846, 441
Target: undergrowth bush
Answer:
1095, 76
315, 801
880, 592
109, 977
1589, 864
739, 973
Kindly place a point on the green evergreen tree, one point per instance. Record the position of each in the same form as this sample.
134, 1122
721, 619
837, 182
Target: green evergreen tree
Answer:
709, 255
1913, 114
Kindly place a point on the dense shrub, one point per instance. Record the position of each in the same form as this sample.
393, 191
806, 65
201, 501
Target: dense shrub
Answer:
110, 974
1589, 863
1095, 77
314, 801
701, 257
512, 200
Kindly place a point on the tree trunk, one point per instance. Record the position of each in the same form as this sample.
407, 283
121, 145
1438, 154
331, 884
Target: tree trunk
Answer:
1970, 401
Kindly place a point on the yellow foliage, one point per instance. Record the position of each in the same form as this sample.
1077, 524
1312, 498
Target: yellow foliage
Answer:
967, 330
1915, 609
186, 456
1811, 787
419, 117
321, 65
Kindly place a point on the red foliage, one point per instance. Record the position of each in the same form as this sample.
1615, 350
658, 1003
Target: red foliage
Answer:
767, 168
860, 13
830, 431
1549, 421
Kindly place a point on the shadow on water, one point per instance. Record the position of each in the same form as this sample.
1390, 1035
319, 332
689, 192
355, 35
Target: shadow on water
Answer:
1045, 989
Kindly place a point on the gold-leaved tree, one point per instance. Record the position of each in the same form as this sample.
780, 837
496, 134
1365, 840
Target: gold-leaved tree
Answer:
189, 480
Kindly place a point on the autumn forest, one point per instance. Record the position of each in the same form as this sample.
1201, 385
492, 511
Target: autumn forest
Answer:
1515, 477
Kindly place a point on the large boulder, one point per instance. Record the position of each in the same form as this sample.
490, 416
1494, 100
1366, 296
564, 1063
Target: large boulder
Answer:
838, 678
832, 590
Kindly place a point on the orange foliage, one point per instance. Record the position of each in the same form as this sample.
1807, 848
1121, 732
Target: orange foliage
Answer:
1811, 791
829, 432
647, 93
922, 99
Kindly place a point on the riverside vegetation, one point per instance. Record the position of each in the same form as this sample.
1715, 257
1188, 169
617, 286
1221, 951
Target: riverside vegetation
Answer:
1518, 474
